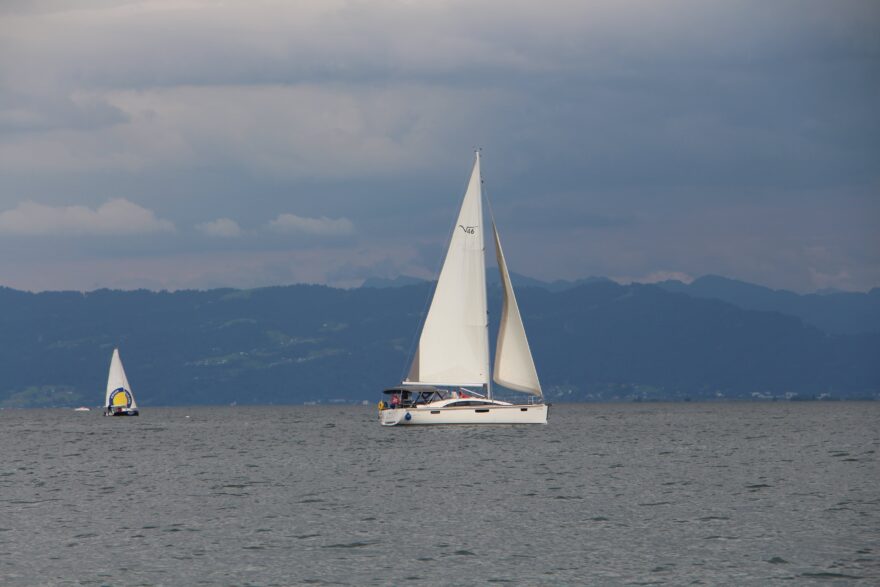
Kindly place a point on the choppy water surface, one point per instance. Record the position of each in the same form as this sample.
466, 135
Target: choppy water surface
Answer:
641, 494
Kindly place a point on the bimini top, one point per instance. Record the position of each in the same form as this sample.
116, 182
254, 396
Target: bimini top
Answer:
413, 389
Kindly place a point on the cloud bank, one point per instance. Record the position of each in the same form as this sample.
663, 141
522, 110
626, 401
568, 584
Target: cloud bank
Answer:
621, 138
220, 228
117, 217
293, 224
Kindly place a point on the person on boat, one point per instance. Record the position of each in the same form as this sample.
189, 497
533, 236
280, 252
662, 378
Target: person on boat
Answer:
395, 400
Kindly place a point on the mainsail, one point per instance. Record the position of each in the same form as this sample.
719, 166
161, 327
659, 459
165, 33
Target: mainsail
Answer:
118, 390
514, 366
454, 346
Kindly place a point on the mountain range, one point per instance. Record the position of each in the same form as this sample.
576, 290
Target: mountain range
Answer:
833, 311
593, 340
492, 278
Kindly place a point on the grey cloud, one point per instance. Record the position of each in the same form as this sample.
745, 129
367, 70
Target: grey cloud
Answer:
117, 217
323, 226
220, 228
351, 273
24, 113
618, 125
131, 45
548, 211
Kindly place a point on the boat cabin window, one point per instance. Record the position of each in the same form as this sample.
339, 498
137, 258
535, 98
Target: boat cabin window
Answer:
468, 402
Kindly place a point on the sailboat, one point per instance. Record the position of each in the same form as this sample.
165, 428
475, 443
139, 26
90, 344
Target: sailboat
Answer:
119, 400
449, 381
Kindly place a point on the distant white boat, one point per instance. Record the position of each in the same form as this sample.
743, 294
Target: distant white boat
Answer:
82, 409
119, 400
452, 359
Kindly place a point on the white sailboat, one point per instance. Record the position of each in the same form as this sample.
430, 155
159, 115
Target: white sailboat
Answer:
452, 358
119, 400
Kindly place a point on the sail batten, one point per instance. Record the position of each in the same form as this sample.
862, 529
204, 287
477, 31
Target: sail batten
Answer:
454, 344
514, 365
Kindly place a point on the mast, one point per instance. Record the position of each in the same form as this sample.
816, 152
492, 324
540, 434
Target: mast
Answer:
488, 385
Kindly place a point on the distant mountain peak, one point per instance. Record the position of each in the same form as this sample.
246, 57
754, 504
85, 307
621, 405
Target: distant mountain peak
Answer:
384, 282
492, 278
833, 312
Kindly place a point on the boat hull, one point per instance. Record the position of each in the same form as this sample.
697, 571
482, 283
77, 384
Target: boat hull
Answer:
128, 412
514, 414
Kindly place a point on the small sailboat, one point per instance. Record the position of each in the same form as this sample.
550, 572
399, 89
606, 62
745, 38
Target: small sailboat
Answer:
119, 400
449, 381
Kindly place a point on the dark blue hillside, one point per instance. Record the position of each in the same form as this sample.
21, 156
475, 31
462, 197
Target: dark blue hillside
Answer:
301, 343
837, 312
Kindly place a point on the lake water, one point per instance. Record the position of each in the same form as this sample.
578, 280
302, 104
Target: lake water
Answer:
606, 494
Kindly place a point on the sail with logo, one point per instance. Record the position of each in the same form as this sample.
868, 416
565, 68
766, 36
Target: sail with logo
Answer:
119, 400
450, 379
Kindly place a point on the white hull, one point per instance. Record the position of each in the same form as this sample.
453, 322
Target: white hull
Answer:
121, 412
425, 415
453, 356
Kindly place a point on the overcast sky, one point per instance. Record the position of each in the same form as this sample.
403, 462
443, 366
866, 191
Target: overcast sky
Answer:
193, 143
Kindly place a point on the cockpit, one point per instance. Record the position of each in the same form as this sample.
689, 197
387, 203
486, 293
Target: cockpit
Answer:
406, 396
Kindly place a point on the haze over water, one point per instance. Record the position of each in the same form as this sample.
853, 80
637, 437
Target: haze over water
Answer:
611, 494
